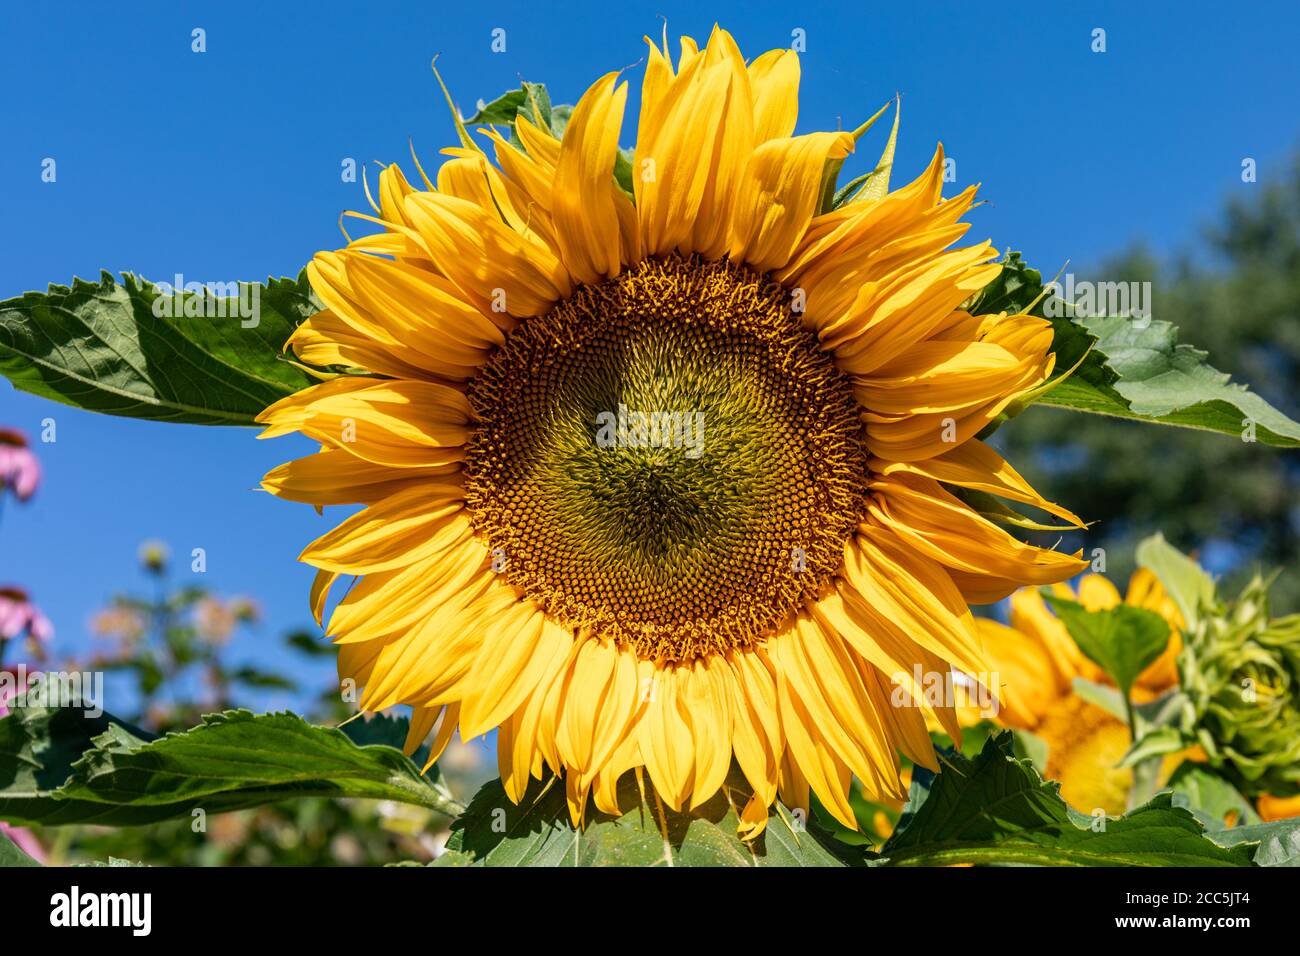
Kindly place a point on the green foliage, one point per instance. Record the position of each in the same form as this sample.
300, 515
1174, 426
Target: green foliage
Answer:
1122, 640
1164, 381
1236, 700
1278, 842
995, 808
1236, 295
174, 645
102, 347
59, 767
532, 102
1131, 368
870, 185
1183, 579
38, 747
10, 855
1240, 673
1213, 800
99, 346
538, 832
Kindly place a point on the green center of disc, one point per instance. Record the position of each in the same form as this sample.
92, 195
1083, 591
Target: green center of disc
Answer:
668, 458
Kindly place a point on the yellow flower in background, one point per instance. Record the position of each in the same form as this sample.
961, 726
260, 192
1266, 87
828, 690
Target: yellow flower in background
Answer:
663, 480
1037, 661
1278, 808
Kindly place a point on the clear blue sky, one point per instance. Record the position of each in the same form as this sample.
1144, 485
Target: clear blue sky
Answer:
225, 165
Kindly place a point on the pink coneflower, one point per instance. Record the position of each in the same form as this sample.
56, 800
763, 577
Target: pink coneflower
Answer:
19, 617
13, 682
25, 841
19, 469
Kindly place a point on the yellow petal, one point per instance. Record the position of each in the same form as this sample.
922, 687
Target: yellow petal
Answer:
496, 267
585, 196
778, 195
774, 78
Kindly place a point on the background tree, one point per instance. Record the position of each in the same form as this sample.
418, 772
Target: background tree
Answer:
1237, 504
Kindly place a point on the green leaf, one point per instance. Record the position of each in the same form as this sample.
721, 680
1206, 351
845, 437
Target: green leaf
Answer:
533, 103
1154, 743
1100, 695
453, 858
995, 808
1215, 802
1170, 709
307, 643
1128, 368
538, 832
1164, 381
1278, 842
502, 110
1185, 581
10, 855
100, 346
1122, 640
1031, 747
623, 171
58, 767
38, 746
252, 677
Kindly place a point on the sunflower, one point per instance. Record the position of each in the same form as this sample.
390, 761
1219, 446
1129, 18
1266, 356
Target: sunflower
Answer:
659, 479
1038, 661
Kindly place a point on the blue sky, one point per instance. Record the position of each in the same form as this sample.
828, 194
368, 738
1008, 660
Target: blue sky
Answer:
226, 165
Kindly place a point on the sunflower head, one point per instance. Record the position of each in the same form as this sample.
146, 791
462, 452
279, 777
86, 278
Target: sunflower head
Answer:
669, 478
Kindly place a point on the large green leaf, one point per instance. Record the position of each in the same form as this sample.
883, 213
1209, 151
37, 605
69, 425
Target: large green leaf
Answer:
57, 767
995, 808
101, 347
38, 746
538, 832
1122, 640
1132, 369
1172, 383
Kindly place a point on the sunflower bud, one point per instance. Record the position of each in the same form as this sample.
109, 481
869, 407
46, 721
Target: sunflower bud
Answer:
1241, 672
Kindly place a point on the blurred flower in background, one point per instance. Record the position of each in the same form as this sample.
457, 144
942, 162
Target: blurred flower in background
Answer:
20, 472
153, 555
216, 619
21, 619
120, 625
1038, 662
